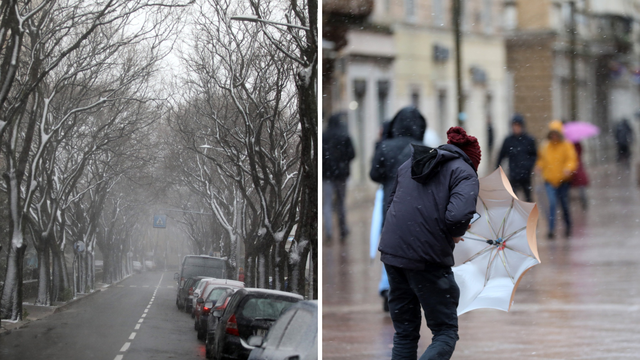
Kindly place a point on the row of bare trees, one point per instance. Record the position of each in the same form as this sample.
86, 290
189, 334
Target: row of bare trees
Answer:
84, 155
75, 100
246, 133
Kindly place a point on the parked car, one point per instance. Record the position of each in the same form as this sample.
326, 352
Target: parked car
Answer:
218, 292
194, 266
249, 312
137, 266
198, 286
293, 336
212, 321
206, 286
185, 293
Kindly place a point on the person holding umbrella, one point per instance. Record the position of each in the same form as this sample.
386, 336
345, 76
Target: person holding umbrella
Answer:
557, 161
430, 206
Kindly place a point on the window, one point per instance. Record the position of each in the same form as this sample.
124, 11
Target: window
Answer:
263, 308
294, 335
438, 13
383, 98
487, 16
277, 330
442, 109
410, 10
415, 97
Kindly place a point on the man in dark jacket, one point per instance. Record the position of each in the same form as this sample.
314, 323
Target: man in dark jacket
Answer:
337, 153
520, 149
432, 203
407, 127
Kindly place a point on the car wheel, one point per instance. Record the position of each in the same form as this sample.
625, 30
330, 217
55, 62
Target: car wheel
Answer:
195, 326
201, 335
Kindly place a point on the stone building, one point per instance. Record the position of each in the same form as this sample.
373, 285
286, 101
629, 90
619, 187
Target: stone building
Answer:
605, 52
402, 53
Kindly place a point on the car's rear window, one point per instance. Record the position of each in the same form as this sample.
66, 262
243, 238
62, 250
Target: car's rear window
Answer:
215, 294
264, 308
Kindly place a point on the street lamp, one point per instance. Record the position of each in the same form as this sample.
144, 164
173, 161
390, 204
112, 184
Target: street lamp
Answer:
254, 18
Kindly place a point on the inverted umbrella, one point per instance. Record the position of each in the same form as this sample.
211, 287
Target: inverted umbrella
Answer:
576, 131
498, 249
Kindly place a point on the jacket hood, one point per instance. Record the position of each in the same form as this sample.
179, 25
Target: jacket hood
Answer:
408, 122
425, 161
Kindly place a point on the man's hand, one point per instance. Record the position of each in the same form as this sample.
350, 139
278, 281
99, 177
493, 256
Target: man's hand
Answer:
457, 239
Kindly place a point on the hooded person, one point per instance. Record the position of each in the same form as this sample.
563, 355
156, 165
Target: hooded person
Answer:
520, 149
407, 127
337, 154
557, 161
431, 205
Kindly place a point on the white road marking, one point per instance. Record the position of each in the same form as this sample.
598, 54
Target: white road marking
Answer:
148, 306
125, 347
132, 336
133, 285
146, 310
119, 285
137, 327
118, 357
141, 320
143, 315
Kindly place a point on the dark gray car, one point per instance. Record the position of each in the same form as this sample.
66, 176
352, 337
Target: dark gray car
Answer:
293, 336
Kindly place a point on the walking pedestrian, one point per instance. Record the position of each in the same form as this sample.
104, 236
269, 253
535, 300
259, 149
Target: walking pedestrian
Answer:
624, 139
407, 127
337, 154
580, 179
431, 205
520, 148
557, 160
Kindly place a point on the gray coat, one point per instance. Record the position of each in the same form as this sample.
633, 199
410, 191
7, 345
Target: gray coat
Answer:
433, 200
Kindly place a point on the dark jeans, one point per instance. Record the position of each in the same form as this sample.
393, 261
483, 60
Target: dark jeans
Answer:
560, 193
525, 185
434, 289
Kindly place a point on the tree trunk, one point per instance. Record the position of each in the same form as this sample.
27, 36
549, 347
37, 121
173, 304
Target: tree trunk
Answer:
44, 272
11, 305
250, 270
58, 282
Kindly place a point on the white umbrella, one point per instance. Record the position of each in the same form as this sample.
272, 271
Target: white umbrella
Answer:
498, 248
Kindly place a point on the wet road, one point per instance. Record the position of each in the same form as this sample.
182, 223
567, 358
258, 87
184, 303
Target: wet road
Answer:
134, 320
582, 302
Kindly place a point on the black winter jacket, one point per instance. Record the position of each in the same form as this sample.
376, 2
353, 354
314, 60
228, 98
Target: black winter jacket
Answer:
521, 152
337, 150
407, 127
433, 201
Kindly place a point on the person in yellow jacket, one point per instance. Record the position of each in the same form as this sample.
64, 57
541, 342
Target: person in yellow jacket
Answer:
557, 160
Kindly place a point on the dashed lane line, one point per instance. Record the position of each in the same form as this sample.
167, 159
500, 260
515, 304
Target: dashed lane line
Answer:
126, 345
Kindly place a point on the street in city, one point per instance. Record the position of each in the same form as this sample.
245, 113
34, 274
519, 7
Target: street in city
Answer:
134, 319
581, 302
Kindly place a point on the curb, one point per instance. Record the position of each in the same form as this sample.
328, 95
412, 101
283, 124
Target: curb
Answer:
15, 326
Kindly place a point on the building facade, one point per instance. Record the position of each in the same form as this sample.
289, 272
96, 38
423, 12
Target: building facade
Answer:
541, 53
402, 53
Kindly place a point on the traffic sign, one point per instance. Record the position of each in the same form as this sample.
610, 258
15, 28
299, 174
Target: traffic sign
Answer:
160, 221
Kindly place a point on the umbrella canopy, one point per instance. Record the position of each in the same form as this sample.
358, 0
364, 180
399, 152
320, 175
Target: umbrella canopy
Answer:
498, 248
576, 131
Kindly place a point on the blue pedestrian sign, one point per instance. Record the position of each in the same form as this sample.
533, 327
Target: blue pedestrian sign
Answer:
160, 221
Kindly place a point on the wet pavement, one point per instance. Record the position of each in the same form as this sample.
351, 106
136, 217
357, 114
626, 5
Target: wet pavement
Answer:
582, 302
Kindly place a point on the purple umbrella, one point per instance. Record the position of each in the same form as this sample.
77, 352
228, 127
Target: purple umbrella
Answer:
577, 131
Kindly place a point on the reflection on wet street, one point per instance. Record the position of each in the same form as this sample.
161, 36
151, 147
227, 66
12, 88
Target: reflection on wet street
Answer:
582, 302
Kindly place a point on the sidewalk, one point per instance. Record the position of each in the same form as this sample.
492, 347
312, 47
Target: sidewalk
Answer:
582, 301
37, 312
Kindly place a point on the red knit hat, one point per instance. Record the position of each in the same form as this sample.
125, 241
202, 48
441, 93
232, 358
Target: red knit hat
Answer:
469, 144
